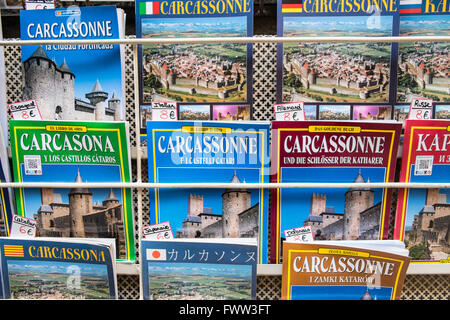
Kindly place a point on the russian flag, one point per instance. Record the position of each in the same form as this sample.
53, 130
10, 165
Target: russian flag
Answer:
149, 7
410, 6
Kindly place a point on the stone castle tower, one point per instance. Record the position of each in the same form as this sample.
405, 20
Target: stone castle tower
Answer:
356, 201
234, 201
80, 202
52, 86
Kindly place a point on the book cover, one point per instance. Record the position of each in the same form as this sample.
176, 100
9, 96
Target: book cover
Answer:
203, 73
423, 215
199, 269
75, 151
210, 152
6, 194
58, 269
332, 152
73, 82
330, 271
423, 70
337, 72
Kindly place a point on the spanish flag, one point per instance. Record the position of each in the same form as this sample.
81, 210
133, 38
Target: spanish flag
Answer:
291, 6
13, 251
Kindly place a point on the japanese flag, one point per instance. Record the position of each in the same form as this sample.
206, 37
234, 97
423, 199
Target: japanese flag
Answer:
156, 254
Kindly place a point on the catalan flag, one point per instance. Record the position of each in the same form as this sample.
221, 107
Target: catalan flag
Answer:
291, 6
13, 251
410, 6
149, 7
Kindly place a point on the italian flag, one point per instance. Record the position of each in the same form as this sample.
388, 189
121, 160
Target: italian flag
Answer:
150, 7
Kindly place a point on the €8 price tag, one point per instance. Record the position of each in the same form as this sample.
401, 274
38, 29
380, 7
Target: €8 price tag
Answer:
25, 110
164, 111
293, 111
22, 227
160, 231
301, 234
421, 109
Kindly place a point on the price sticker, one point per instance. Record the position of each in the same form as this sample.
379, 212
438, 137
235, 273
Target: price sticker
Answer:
39, 4
293, 111
301, 234
421, 109
160, 231
25, 110
164, 111
22, 227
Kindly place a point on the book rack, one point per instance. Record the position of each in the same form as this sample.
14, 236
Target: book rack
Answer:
423, 281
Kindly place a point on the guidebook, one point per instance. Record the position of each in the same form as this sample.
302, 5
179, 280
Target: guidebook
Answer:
204, 74
337, 72
75, 151
210, 152
77, 81
344, 270
58, 269
423, 215
332, 152
199, 269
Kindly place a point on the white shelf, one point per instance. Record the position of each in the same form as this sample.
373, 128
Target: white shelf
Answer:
124, 268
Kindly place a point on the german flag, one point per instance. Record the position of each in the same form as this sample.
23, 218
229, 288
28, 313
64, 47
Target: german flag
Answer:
291, 6
13, 251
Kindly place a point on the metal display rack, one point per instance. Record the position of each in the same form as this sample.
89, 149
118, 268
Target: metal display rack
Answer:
423, 281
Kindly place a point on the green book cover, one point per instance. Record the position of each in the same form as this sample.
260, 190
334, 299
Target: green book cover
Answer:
75, 151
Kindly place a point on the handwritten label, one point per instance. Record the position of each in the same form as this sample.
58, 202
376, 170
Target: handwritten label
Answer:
22, 227
39, 4
300, 234
25, 110
160, 231
293, 111
421, 109
164, 111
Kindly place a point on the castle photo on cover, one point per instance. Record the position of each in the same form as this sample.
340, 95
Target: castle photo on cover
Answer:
341, 214
73, 82
201, 213
195, 72
427, 216
336, 72
424, 67
95, 213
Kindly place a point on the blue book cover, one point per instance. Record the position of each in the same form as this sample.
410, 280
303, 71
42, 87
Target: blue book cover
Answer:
52, 269
199, 269
423, 68
210, 152
207, 74
79, 81
337, 72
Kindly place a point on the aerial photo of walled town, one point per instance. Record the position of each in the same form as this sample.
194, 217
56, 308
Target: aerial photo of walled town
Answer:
57, 280
194, 72
424, 68
196, 281
336, 72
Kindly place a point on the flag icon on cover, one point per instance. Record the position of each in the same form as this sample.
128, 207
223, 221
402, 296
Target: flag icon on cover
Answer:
291, 6
149, 7
156, 254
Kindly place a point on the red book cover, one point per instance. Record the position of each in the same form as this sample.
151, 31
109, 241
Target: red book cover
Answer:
423, 215
336, 152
